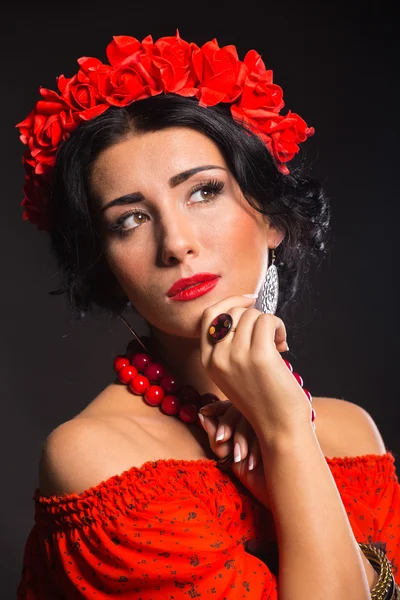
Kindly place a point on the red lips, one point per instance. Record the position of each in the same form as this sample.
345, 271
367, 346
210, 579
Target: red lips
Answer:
182, 284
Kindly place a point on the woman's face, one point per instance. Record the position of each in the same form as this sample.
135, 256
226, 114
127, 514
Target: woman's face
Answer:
181, 212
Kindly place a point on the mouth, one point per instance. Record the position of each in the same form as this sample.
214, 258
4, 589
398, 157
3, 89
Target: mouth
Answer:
194, 291
191, 282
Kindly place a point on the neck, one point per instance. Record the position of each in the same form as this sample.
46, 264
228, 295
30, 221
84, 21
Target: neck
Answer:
182, 357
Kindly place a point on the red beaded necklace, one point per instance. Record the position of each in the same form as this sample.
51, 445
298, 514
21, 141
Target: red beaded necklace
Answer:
159, 387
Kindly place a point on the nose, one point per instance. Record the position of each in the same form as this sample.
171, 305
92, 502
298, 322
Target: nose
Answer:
178, 239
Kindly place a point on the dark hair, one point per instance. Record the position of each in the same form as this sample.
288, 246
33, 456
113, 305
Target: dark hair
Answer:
293, 202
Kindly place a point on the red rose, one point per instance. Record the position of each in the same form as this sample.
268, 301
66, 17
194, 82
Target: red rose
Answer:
220, 73
125, 85
287, 134
255, 63
45, 127
282, 135
258, 120
132, 78
36, 194
258, 90
26, 127
171, 56
98, 74
123, 50
121, 85
79, 93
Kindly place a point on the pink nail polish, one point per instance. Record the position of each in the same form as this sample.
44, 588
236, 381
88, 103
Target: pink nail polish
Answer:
220, 433
237, 455
251, 462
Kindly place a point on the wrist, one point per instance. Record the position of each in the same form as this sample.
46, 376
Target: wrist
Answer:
286, 441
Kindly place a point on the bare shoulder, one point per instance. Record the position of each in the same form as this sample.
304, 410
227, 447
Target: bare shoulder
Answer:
113, 434
346, 429
83, 452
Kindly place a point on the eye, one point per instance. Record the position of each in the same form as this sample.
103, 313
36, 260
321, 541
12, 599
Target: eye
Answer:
127, 222
207, 192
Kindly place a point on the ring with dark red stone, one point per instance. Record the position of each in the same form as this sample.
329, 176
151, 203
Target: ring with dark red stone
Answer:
220, 327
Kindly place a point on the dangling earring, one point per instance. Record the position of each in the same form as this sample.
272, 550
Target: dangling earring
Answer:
270, 291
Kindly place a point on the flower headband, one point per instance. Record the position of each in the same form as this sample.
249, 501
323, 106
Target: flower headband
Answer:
138, 70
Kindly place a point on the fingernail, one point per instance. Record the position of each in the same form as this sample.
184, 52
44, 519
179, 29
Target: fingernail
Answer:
237, 455
220, 433
251, 462
208, 425
201, 419
250, 295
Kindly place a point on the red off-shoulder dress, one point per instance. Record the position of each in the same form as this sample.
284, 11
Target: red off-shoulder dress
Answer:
182, 529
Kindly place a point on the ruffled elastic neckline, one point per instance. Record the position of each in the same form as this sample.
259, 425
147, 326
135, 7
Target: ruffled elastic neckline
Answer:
380, 462
151, 467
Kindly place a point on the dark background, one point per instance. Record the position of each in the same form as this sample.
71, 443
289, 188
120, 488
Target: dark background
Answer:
336, 64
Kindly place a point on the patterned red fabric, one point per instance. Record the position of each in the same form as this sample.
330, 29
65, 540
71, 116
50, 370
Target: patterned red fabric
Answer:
179, 529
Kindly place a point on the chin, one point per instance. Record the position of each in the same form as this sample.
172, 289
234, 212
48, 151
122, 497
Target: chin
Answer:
189, 329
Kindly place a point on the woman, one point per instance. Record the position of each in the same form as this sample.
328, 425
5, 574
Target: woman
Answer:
163, 181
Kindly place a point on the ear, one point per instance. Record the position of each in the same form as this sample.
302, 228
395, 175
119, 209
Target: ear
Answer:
275, 236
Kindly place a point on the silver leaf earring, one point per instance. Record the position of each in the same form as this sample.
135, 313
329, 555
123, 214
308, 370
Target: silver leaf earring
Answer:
270, 291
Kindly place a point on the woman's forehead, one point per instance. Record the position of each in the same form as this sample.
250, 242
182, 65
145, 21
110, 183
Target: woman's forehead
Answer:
142, 158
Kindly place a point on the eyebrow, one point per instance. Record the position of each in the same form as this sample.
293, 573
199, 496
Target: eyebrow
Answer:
173, 182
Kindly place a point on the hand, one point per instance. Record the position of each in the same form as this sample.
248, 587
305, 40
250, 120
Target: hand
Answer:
247, 367
236, 430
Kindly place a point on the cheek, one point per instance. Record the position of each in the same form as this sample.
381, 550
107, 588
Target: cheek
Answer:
129, 263
239, 233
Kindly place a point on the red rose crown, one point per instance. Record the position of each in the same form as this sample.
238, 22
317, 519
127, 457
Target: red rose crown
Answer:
138, 70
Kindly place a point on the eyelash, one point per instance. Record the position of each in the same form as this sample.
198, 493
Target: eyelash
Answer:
214, 186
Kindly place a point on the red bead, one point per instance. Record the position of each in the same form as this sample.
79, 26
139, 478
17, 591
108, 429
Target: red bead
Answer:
154, 371
154, 395
188, 413
187, 394
207, 399
298, 378
170, 405
139, 384
126, 374
169, 383
313, 414
119, 362
287, 363
141, 360
308, 394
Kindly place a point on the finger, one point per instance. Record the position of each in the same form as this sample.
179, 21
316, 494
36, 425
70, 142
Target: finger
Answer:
243, 436
268, 329
227, 424
244, 324
210, 426
213, 311
254, 454
239, 343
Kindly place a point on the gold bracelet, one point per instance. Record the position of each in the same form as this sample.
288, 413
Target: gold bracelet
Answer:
385, 582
